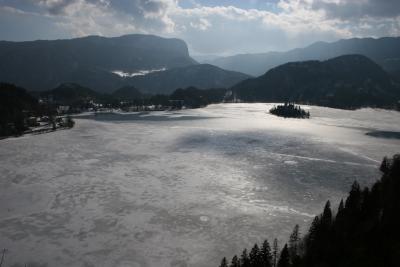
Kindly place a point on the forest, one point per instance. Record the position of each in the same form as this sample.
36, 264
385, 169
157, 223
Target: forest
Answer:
21, 112
20, 109
363, 231
16, 106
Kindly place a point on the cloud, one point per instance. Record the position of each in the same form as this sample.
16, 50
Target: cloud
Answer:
202, 24
241, 30
110, 17
56, 7
208, 29
14, 25
356, 9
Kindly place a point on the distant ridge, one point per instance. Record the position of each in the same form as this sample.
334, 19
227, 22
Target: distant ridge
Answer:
89, 61
384, 51
350, 81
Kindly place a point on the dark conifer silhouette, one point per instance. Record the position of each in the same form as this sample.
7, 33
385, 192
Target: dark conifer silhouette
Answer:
256, 257
294, 244
244, 259
364, 231
224, 263
266, 254
290, 110
384, 165
284, 259
275, 252
235, 262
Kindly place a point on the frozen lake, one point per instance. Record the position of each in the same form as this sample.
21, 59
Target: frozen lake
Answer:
179, 188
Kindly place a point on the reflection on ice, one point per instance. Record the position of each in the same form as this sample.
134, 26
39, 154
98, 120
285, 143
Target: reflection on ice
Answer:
179, 188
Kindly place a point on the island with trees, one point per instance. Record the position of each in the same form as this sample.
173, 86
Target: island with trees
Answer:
290, 110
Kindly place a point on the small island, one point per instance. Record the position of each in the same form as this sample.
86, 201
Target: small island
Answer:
290, 110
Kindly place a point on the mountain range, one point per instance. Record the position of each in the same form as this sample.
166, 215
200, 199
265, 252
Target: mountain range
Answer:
384, 51
349, 81
95, 62
136, 66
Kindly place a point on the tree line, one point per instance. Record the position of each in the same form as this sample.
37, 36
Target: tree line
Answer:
16, 106
362, 232
19, 111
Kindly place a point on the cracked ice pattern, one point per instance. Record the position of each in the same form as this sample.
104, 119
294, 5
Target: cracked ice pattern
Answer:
179, 188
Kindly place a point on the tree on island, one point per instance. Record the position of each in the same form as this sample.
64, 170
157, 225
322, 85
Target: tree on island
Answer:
289, 110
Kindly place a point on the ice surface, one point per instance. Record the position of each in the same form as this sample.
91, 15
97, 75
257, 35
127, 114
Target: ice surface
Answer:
179, 188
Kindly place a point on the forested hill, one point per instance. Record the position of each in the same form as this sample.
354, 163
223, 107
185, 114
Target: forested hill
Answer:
15, 105
385, 51
202, 76
350, 81
70, 94
89, 61
363, 232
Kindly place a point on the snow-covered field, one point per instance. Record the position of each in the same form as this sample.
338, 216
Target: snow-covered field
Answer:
182, 188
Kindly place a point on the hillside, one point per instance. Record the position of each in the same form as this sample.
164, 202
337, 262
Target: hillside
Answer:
71, 94
349, 81
201, 76
89, 61
15, 106
384, 51
127, 93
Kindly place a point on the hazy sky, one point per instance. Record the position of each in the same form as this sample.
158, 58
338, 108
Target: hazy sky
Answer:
209, 27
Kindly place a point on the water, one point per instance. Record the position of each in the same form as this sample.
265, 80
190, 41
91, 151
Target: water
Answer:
180, 188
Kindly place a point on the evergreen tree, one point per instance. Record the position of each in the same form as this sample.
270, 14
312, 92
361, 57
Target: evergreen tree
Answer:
340, 217
363, 233
341, 207
294, 244
255, 257
354, 199
313, 232
244, 259
312, 240
326, 219
275, 251
384, 165
235, 262
284, 259
224, 263
266, 254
